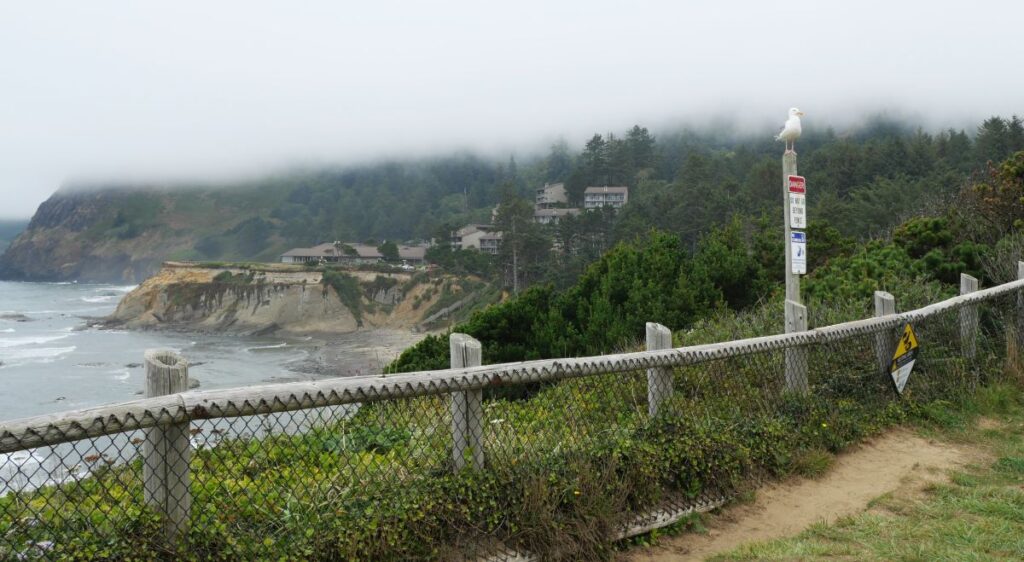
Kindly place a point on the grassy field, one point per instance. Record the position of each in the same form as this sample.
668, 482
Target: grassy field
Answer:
977, 515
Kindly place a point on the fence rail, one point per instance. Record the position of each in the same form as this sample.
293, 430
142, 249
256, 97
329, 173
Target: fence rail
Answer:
362, 436
21, 434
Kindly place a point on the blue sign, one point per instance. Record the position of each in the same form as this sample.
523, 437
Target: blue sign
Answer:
798, 252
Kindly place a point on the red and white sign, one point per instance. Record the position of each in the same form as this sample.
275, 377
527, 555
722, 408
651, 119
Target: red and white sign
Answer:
797, 202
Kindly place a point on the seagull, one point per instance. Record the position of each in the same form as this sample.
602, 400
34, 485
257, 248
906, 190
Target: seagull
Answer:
791, 131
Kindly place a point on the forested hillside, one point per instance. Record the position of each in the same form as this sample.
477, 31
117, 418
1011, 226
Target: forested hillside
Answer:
654, 278
863, 181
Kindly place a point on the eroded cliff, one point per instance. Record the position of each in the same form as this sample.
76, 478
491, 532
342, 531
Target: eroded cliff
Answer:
280, 298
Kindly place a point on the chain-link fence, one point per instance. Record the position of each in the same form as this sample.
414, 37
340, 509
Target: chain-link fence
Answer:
556, 458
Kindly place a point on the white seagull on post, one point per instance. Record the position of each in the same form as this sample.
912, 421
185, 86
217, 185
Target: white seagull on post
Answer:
791, 131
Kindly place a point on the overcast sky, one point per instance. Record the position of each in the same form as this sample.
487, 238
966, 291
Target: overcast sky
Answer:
181, 90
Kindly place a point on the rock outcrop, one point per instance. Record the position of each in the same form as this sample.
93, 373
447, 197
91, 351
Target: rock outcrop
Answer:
76, 235
277, 298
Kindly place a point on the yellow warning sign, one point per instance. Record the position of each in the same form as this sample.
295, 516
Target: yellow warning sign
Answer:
907, 343
904, 358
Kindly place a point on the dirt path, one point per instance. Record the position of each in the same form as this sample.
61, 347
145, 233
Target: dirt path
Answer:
898, 461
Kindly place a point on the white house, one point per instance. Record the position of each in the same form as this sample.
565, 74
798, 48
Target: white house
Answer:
469, 236
595, 197
490, 243
552, 216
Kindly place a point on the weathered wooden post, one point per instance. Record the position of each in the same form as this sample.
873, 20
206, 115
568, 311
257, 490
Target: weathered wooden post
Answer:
467, 406
166, 452
885, 305
968, 318
796, 357
794, 190
1019, 324
659, 379
792, 278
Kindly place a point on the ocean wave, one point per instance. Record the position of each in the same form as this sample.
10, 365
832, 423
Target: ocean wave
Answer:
21, 458
123, 289
30, 340
99, 299
7, 331
14, 357
261, 347
122, 375
29, 470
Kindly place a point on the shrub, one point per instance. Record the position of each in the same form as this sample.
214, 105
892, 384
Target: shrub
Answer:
348, 291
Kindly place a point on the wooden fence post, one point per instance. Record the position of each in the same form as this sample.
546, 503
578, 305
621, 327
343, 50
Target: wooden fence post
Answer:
1018, 325
796, 357
968, 319
166, 452
467, 406
659, 379
885, 305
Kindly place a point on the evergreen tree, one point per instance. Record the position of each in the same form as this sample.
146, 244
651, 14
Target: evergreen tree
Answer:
619, 160
389, 250
642, 147
558, 164
524, 244
993, 141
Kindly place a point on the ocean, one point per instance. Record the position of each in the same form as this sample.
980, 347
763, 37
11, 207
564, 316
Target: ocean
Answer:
50, 362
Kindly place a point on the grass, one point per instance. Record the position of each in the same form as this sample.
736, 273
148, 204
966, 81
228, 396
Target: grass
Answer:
812, 463
977, 515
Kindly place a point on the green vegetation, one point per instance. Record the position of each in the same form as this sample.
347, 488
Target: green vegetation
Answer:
389, 250
379, 283
654, 279
565, 467
348, 290
977, 516
865, 181
226, 277
577, 458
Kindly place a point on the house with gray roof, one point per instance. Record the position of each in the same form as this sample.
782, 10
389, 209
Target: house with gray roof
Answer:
597, 197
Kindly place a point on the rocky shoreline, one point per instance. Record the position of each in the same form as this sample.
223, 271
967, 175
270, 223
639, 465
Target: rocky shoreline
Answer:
357, 354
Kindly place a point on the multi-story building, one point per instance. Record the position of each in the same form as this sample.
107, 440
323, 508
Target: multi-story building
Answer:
469, 236
596, 197
550, 196
490, 243
479, 236
552, 216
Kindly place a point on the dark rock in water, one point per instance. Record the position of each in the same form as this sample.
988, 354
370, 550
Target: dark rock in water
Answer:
197, 363
133, 365
193, 383
59, 398
15, 317
267, 331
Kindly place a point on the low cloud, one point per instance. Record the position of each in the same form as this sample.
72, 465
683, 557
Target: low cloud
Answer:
118, 91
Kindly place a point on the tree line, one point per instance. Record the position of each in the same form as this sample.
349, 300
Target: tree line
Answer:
656, 278
862, 184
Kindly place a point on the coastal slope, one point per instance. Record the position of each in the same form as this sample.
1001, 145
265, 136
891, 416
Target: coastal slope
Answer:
292, 299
